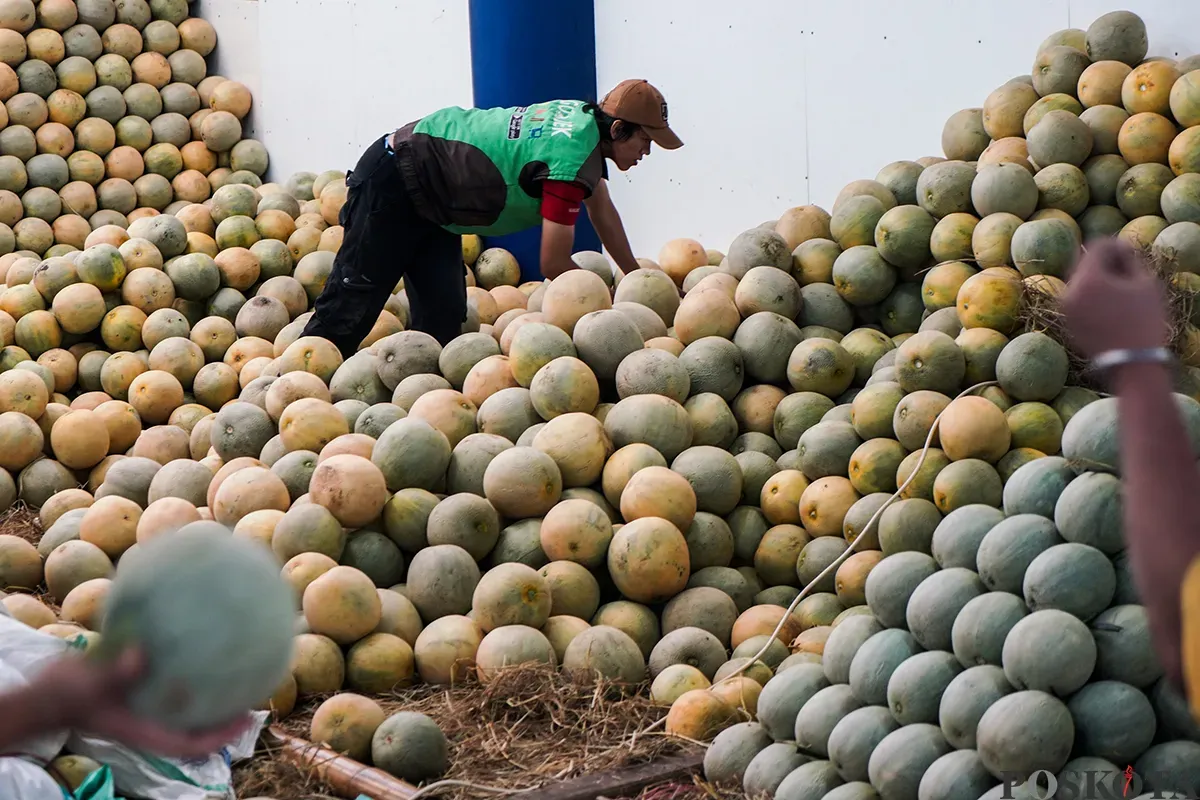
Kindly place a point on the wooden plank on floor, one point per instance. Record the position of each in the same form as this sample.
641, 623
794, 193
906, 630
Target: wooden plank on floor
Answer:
621, 782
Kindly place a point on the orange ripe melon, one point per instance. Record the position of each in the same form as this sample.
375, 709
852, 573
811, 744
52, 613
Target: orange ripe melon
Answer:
678, 257
974, 427
79, 439
248, 490
700, 715
342, 604
111, 523
351, 487
648, 560
659, 492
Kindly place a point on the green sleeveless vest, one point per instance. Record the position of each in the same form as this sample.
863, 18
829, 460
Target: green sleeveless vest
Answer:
490, 162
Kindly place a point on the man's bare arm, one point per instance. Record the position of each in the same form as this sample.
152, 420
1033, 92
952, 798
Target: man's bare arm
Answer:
1161, 496
608, 225
557, 240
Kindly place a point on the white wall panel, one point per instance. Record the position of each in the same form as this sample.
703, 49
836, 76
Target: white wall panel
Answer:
733, 76
882, 78
335, 74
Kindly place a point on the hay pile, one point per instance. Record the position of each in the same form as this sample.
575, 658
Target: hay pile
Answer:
528, 727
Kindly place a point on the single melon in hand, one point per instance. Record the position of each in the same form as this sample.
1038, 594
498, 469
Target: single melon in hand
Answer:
214, 620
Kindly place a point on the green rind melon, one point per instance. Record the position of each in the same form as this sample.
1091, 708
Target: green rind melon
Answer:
904, 755
1008, 549
816, 556
796, 413
1117, 36
714, 365
876, 660
856, 736
1007, 188
957, 537
1090, 512
410, 746
859, 515
374, 555
1071, 577
915, 689
1124, 650
957, 774
732, 750
908, 526
767, 770
900, 178
1024, 732
411, 453
1035, 487
1046, 246
825, 449
841, 646
945, 188
1033, 366
862, 276
856, 790
811, 781
936, 602
1175, 720
982, 625
902, 236
891, 583
853, 221
784, 696
818, 717
702, 607
1113, 720
214, 618
965, 700
1049, 651
1170, 767
692, 646
441, 581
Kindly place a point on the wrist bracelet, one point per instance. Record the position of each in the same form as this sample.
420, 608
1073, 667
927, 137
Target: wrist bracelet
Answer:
1117, 358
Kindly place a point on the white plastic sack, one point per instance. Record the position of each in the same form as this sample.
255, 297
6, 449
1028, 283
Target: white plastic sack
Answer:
24, 652
23, 780
156, 778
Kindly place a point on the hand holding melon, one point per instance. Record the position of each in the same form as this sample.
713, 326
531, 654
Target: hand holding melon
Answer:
89, 697
212, 617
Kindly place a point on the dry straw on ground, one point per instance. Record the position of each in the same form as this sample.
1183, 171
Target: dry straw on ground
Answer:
527, 727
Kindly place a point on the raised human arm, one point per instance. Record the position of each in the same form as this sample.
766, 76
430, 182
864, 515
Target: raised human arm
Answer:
1115, 303
611, 230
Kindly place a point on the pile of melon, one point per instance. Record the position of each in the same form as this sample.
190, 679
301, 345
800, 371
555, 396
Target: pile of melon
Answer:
633, 476
110, 116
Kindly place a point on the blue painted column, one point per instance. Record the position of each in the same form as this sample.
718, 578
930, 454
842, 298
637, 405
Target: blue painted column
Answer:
531, 51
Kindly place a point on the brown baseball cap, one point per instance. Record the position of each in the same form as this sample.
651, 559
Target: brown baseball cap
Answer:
638, 102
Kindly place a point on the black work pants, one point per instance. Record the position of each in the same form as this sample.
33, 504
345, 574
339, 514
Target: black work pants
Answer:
385, 238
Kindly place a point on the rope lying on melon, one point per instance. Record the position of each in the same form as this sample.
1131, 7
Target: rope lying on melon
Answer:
450, 782
849, 551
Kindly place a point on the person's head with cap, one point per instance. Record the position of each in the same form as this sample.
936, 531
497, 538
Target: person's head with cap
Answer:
631, 117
